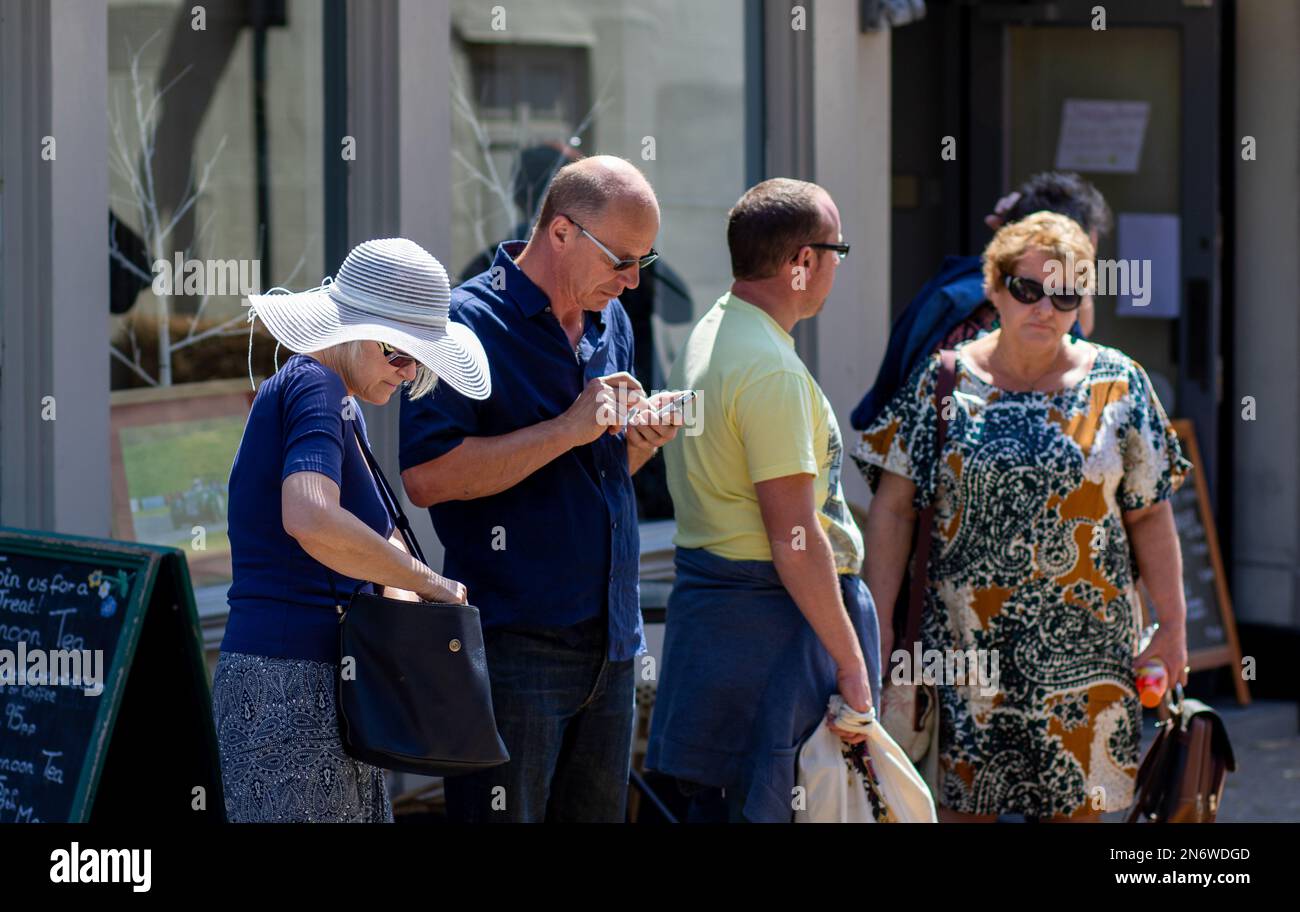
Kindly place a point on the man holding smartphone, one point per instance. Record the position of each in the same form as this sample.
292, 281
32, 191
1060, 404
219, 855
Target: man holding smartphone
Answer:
531, 494
768, 616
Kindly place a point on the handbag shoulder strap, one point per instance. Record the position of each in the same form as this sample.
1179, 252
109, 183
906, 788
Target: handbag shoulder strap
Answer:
391, 503
921, 565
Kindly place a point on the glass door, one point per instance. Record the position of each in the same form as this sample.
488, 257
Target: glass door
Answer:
1133, 107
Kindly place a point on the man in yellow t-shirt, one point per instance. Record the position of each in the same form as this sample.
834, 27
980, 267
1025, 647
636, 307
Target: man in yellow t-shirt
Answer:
768, 616
768, 419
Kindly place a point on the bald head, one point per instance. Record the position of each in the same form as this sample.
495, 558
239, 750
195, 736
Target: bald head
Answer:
585, 189
598, 213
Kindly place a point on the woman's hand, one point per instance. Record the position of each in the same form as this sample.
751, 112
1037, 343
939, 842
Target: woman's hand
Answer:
1169, 645
445, 591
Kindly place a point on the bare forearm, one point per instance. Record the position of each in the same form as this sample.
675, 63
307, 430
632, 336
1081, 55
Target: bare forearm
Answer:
349, 547
809, 575
391, 591
888, 541
483, 466
1154, 539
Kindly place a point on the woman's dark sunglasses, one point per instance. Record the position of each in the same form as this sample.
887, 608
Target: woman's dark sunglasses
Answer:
1029, 291
619, 263
396, 358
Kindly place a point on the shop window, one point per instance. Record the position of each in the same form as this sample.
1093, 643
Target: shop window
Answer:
659, 83
215, 129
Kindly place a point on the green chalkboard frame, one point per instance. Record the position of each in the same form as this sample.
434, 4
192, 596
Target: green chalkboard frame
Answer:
149, 563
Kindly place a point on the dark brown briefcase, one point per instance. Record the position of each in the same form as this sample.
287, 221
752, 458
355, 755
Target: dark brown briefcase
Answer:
1182, 775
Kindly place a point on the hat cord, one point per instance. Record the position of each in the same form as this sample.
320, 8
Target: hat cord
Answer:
275, 357
252, 320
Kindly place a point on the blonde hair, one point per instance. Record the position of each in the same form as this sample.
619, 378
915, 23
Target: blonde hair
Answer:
1054, 234
344, 356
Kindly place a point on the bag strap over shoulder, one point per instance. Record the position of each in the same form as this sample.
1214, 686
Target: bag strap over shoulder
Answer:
947, 382
391, 503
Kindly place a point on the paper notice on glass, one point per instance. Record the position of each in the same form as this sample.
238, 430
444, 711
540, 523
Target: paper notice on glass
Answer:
1101, 136
1146, 277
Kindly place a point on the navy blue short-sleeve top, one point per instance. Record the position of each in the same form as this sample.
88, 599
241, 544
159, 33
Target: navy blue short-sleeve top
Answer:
280, 599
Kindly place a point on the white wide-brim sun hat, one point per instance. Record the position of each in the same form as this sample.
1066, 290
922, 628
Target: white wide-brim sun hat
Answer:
388, 290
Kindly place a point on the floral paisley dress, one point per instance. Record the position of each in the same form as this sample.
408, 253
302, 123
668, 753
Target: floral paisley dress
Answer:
1030, 563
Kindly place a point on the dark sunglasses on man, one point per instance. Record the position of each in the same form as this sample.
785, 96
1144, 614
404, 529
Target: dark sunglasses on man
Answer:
619, 263
1030, 291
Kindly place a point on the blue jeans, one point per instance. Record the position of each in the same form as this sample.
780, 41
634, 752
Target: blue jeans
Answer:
565, 713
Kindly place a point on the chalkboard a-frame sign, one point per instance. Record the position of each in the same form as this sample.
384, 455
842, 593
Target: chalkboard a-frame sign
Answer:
1211, 629
143, 747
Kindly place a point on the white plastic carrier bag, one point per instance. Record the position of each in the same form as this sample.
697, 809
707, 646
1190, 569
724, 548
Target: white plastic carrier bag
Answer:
871, 782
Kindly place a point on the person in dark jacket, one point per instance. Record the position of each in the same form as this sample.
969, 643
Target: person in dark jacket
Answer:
952, 306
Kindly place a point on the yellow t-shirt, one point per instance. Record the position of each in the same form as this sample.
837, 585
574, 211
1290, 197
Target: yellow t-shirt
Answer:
760, 415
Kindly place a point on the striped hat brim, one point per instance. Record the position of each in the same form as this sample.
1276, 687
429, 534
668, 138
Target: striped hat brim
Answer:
309, 321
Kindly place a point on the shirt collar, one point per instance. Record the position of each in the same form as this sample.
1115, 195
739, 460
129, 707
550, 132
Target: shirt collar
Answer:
530, 299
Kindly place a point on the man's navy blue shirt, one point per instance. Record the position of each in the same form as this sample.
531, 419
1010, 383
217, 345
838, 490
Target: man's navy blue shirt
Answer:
561, 546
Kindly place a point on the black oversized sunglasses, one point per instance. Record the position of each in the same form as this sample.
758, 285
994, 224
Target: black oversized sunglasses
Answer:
1030, 291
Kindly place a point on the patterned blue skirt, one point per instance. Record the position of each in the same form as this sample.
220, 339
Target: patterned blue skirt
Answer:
281, 756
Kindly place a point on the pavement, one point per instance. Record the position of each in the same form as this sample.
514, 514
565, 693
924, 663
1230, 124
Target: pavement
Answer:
1266, 743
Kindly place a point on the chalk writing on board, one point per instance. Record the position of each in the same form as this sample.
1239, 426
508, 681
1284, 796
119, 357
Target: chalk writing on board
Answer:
55, 640
75, 667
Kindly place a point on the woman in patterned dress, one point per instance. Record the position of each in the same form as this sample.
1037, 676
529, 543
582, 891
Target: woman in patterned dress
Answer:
1052, 495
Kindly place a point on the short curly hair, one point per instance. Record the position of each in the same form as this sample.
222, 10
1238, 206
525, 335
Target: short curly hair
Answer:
1057, 235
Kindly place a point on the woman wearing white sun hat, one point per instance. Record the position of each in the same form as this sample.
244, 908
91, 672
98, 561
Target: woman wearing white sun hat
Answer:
306, 519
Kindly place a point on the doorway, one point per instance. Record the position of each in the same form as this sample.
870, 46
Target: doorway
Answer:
1035, 74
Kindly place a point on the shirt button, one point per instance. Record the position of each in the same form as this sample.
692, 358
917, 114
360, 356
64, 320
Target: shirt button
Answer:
616, 524
602, 473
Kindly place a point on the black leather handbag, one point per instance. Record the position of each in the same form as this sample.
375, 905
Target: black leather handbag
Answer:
415, 695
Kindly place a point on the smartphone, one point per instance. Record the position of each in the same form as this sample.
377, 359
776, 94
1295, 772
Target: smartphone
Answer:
675, 404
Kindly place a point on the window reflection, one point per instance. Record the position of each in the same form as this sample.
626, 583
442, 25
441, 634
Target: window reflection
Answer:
660, 83
215, 127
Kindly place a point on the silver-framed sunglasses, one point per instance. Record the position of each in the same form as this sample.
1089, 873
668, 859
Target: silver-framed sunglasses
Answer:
619, 263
